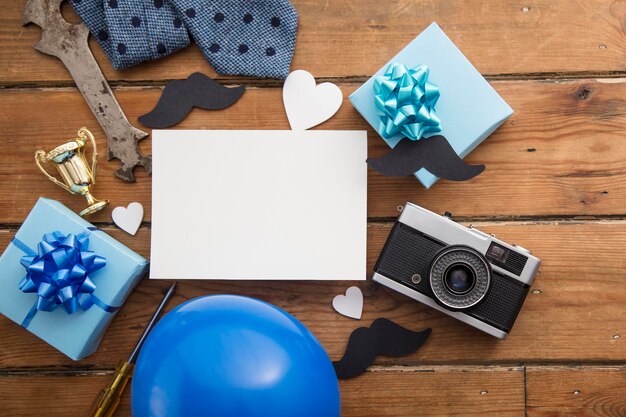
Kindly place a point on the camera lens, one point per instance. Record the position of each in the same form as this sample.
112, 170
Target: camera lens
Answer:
459, 277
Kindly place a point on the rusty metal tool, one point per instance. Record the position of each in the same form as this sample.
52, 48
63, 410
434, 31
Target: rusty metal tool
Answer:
68, 42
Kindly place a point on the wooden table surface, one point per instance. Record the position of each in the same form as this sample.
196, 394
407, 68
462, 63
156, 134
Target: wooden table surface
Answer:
555, 183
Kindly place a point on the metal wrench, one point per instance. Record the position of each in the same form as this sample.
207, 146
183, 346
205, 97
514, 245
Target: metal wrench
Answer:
68, 42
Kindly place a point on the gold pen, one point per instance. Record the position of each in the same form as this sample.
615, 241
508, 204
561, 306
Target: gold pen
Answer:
109, 399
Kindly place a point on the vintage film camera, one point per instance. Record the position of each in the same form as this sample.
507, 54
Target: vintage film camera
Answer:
463, 272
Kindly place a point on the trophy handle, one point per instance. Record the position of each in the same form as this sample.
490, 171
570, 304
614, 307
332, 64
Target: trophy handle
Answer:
85, 134
40, 156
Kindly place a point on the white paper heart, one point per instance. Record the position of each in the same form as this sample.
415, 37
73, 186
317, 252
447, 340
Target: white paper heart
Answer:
308, 104
351, 304
128, 218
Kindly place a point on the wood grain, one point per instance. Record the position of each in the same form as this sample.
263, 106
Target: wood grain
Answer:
561, 154
576, 391
555, 183
581, 291
347, 38
400, 391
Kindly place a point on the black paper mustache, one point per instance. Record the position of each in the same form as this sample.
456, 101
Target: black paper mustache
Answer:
180, 96
383, 337
433, 153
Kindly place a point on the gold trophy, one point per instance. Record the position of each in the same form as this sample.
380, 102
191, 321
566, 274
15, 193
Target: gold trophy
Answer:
70, 160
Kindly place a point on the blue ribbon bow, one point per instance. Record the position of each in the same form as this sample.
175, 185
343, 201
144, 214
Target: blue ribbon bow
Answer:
59, 273
406, 102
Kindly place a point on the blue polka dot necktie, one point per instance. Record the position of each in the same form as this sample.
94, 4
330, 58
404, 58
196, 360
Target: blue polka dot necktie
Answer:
247, 37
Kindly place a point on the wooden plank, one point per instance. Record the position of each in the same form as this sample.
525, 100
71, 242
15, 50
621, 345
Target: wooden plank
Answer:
581, 293
576, 391
356, 37
435, 391
424, 391
561, 154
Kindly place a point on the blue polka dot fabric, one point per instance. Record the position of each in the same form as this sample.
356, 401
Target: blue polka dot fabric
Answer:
131, 32
247, 37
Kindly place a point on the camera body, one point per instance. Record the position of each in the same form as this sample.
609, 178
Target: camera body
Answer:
460, 271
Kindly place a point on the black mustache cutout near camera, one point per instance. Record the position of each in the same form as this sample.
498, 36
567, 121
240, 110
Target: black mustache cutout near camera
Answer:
383, 337
179, 97
433, 153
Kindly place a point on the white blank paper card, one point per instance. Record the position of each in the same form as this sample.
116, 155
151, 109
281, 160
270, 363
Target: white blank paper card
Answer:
270, 205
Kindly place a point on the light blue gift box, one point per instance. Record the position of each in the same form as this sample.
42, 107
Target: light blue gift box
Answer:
78, 334
469, 108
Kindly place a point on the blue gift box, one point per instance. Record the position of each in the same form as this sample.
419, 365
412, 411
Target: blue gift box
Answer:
469, 108
78, 334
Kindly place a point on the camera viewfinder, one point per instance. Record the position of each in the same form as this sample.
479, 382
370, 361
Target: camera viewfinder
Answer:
498, 253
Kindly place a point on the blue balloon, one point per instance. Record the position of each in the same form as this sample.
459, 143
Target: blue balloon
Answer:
233, 356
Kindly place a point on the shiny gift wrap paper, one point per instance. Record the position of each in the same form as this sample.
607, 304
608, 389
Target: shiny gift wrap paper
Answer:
88, 275
468, 108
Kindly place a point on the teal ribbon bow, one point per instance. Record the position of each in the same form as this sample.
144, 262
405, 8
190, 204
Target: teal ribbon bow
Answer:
59, 273
406, 102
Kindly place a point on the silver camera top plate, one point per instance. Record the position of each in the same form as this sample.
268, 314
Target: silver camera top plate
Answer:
452, 233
